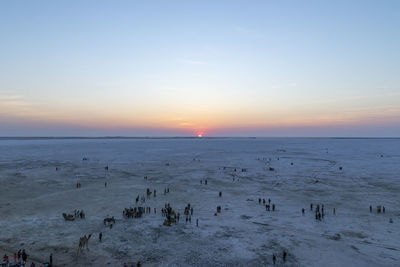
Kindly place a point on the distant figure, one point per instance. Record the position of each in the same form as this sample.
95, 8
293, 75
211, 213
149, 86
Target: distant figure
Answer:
220, 194
259, 201
302, 211
273, 207
334, 211
201, 181
24, 256
383, 209
370, 208
312, 209
197, 222
263, 200
273, 258
33, 264
390, 220
205, 181
269, 201
51, 259
100, 236
284, 256
105, 184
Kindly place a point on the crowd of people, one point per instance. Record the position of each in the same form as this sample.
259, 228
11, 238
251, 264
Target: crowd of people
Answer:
20, 259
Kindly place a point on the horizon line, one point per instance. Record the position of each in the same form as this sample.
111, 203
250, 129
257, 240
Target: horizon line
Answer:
190, 137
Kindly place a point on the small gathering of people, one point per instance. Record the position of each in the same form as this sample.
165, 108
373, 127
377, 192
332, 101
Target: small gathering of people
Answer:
20, 259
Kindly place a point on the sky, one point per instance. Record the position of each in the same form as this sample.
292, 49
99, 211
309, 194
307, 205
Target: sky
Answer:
210, 68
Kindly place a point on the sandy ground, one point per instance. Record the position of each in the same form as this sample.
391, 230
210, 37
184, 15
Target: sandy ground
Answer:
34, 195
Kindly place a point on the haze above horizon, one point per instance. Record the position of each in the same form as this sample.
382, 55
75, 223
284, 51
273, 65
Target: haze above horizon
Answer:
207, 68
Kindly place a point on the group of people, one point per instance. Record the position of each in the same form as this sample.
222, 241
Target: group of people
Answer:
268, 206
379, 209
20, 259
79, 214
319, 212
169, 213
135, 212
205, 181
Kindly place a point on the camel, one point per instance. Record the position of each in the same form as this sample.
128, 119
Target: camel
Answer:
84, 241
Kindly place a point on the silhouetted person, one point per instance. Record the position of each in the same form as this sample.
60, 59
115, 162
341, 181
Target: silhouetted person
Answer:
100, 236
273, 258
24, 256
284, 256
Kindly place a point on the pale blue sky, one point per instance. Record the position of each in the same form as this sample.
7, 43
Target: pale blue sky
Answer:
262, 68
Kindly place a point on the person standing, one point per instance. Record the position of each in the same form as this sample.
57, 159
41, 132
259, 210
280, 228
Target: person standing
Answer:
51, 259
24, 257
100, 236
